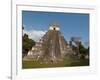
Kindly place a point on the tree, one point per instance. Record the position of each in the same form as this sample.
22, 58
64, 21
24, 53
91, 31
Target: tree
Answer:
27, 44
80, 50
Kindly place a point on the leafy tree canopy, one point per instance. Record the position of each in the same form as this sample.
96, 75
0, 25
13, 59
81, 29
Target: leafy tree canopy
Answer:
27, 43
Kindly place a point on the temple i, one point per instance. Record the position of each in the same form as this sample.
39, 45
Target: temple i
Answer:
52, 47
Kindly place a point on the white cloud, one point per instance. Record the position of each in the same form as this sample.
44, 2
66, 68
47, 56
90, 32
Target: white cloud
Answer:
35, 34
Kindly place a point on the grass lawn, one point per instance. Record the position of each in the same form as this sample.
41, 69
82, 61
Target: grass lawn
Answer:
65, 63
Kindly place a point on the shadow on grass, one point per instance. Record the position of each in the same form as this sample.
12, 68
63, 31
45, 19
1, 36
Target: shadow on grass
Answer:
78, 62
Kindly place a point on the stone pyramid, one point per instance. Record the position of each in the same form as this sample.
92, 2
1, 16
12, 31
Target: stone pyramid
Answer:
52, 46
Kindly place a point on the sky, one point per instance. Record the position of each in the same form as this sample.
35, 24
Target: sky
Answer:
71, 24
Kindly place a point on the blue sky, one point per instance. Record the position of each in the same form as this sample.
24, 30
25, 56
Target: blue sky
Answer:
71, 24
